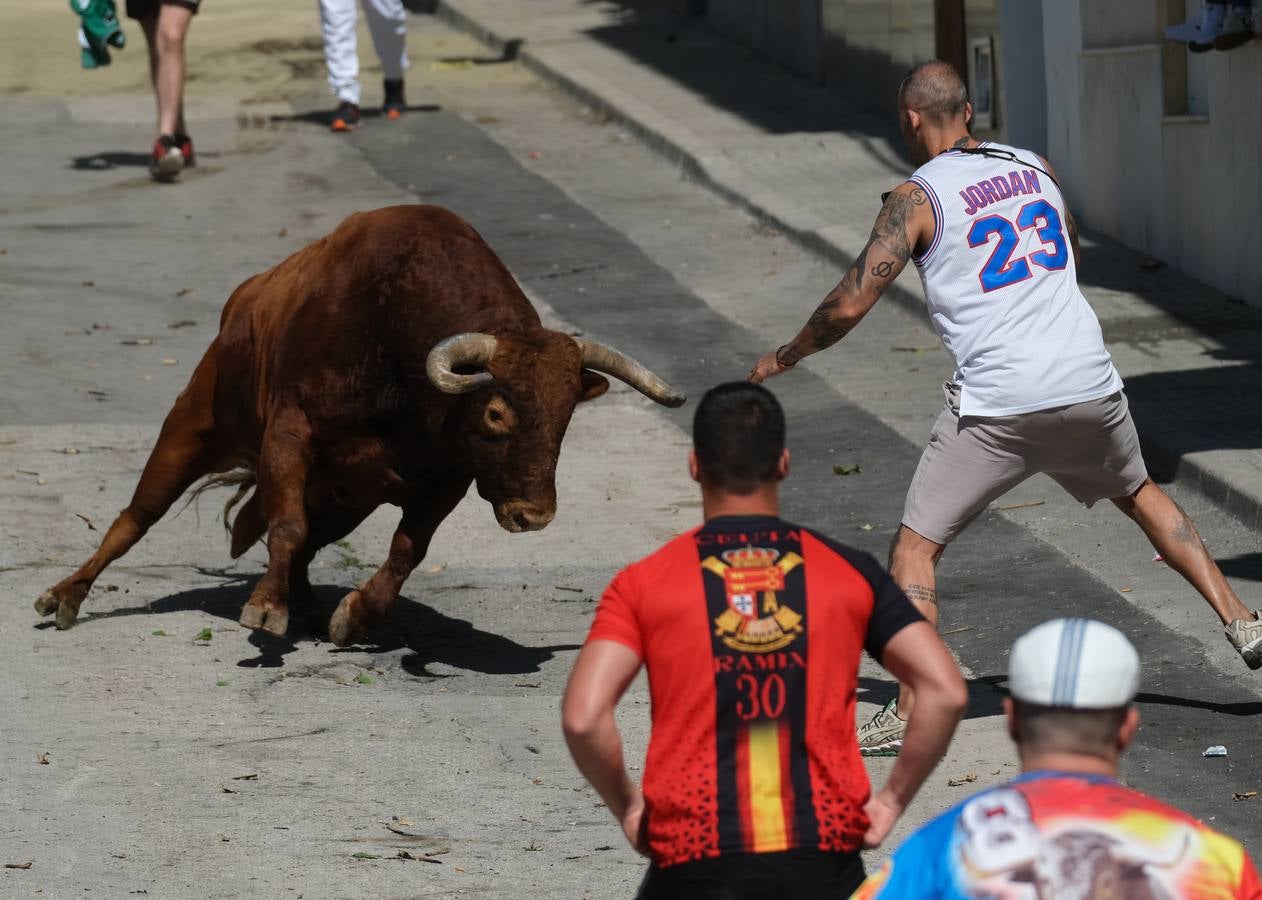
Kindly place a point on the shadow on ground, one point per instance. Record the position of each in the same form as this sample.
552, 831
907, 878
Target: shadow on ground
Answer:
739, 80
324, 117
430, 636
1247, 566
109, 159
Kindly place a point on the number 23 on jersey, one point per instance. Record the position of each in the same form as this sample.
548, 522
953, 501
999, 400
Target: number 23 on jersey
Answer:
1001, 269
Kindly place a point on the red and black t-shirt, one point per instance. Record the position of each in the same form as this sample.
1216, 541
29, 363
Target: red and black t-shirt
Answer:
751, 629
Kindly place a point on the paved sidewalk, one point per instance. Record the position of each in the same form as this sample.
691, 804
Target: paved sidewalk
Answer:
801, 159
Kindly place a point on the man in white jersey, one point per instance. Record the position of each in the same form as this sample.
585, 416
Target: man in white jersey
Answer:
1034, 389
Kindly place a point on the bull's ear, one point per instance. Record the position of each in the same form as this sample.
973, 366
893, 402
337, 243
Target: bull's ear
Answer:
593, 385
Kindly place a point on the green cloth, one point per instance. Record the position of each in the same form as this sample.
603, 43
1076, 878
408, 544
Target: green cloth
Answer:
99, 30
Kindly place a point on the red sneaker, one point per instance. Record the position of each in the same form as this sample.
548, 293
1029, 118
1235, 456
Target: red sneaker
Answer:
186, 150
167, 161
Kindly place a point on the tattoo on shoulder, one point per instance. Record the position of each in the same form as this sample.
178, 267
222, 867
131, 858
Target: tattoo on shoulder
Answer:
918, 593
890, 230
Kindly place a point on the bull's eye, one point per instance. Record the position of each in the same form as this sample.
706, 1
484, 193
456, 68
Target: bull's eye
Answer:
498, 419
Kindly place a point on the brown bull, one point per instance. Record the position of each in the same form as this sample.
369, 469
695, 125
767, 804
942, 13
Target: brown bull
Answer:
394, 361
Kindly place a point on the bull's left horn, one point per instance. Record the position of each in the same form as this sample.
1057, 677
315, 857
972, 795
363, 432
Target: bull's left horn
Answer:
601, 358
470, 349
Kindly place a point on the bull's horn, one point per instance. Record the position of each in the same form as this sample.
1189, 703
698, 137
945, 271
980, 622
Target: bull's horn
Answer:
601, 358
468, 349
1173, 857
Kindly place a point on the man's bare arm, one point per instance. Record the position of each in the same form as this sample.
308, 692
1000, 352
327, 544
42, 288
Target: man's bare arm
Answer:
1071, 224
602, 673
917, 657
905, 221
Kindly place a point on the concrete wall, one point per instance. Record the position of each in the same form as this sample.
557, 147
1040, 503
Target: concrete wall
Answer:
1156, 149
788, 31
863, 48
870, 44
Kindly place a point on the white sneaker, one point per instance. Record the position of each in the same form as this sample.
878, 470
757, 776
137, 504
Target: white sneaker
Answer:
1237, 28
1200, 31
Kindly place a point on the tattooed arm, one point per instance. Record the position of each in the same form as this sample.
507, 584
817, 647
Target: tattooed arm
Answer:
904, 223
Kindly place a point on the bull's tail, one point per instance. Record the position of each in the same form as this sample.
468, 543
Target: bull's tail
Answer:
244, 480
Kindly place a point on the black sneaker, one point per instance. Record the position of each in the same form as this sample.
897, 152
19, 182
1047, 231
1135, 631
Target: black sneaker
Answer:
345, 117
167, 161
394, 105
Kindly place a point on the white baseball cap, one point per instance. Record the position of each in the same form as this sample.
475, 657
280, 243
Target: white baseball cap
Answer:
1074, 663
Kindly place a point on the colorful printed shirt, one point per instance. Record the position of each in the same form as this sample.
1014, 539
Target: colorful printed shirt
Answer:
1063, 835
751, 629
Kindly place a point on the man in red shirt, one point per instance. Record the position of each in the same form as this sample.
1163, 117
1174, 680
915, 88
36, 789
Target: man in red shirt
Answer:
751, 629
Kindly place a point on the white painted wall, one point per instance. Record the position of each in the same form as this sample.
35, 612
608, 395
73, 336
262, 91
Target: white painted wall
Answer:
1185, 189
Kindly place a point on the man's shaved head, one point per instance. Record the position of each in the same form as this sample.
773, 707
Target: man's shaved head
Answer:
935, 90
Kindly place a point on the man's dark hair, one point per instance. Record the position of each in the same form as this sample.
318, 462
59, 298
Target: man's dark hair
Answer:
935, 90
738, 434
1054, 729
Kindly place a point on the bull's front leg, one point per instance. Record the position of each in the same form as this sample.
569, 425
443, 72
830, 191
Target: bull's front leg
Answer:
284, 463
372, 601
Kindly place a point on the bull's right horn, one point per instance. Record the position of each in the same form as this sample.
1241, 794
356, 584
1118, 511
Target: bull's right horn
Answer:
603, 358
470, 349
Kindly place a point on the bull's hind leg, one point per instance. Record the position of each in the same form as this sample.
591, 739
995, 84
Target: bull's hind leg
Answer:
284, 463
188, 447
372, 601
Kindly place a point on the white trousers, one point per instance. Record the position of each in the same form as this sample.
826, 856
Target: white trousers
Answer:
387, 23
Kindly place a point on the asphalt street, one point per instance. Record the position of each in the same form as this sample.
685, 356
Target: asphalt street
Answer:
158, 747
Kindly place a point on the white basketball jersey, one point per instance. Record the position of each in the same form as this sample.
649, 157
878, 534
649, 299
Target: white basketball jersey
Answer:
1003, 288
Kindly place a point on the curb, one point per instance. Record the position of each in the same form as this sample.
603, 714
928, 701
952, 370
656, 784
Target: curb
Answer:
661, 136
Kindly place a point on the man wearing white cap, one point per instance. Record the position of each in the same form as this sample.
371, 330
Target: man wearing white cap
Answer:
1066, 827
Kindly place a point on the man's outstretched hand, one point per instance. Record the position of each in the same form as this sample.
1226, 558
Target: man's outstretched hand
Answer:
768, 365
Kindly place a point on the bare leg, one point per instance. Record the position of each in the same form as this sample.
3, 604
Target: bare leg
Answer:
168, 33
1174, 535
372, 601
284, 463
188, 447
913, 566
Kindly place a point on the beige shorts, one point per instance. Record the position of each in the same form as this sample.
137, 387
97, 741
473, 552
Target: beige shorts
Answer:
1090, 449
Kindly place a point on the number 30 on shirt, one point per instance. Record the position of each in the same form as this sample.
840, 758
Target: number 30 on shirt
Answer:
1001, 270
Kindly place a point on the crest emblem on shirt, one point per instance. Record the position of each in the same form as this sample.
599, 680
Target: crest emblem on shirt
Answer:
755, 621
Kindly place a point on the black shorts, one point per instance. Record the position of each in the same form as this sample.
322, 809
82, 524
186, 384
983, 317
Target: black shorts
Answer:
787, 875
143, 9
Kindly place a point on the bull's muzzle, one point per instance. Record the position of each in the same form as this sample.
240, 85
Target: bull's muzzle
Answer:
522, 515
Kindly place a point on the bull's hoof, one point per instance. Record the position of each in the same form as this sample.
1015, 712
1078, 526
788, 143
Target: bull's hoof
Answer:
64, 601
252, 616
276, 622
47, 603
344, 627
67, 615
264, 618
